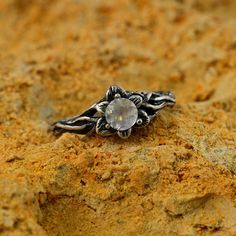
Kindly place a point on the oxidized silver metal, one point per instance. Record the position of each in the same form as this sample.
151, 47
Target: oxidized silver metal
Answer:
96, 118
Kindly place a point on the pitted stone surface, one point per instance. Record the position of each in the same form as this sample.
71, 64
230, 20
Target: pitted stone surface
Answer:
177, 176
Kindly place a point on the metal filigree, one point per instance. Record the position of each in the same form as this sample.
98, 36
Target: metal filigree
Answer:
147, 104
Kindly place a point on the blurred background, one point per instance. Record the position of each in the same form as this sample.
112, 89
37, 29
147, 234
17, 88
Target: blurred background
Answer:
55, 54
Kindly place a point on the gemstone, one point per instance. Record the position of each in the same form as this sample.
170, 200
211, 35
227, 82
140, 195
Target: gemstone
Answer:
121, 114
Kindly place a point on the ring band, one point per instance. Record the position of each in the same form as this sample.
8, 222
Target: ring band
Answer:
119, 111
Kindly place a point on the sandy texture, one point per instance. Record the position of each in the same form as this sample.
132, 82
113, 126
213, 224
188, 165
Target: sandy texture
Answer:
175, 177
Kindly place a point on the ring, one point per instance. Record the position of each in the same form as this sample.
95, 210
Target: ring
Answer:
119, 111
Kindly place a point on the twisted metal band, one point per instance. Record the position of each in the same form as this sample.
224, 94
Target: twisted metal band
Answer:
148, 105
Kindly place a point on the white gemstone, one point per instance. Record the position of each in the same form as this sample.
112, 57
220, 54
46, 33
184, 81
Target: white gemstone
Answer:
121, 114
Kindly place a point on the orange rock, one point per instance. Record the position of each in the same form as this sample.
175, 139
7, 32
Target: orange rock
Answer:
174, 177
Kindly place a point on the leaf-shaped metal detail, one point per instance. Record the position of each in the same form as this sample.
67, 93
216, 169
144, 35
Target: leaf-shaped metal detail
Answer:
125, 133
158, 100
115, 92
143, 118
103, 128
101, 107
136, 99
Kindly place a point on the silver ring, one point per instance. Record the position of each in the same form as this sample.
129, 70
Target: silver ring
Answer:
119, 111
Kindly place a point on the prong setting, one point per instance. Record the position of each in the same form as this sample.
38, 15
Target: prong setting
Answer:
117, 95
108, 126
139, 121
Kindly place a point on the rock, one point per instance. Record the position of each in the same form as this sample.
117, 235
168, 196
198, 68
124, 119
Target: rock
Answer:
175, 176
184, 204
19, 209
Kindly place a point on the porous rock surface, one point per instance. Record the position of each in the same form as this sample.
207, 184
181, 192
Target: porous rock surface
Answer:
175, 177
